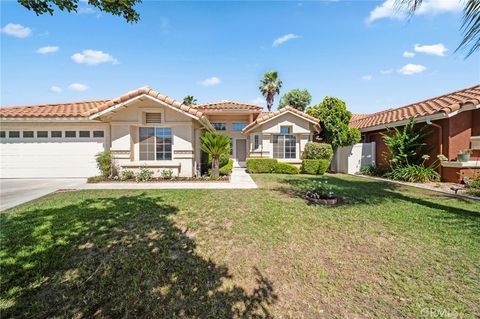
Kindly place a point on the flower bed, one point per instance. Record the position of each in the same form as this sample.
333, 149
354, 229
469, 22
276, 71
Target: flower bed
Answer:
203, 179
320, 192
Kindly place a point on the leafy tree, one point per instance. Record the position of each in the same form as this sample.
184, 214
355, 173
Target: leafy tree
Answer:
407, 146
189, 100
470, 25
296, 98
118, 7
215, 145
270, 86
335, 118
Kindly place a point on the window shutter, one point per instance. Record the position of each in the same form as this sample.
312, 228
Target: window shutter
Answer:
155, 118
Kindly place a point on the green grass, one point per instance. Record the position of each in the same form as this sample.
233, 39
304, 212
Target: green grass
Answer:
386, 251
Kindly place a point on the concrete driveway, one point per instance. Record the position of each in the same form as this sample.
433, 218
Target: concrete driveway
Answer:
14, 192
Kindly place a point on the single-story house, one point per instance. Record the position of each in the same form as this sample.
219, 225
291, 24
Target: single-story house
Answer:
141, 128
454, 121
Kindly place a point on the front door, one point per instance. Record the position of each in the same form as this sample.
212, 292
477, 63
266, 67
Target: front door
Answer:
241, 150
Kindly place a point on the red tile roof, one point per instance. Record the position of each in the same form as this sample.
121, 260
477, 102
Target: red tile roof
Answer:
265, 116
228, 105
446, 104
71, 109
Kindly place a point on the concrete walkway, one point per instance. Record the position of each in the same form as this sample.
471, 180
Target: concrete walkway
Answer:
239, 180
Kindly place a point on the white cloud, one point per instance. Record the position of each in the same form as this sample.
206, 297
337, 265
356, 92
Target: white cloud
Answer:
408, 54
79, 87
55, 89
284, 38
429, 7
409, 69
86, 10
387, 71
259, 101
16, 30
92, 57
434, 49
367, 77
48, 49
211, 81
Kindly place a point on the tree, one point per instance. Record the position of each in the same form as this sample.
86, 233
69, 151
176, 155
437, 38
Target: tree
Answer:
215, 145
334, 119
296, 98
270, 86
119, 7
189, 100
470, 24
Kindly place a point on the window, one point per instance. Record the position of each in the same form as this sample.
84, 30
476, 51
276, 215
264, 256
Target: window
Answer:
42, 134
284, 146
256, 142
84, 133
2, 134
98, 133
285, 130
155, 144
27, 134
70, 134
152, 118
238, 126
219, 126
56, 134
14, 134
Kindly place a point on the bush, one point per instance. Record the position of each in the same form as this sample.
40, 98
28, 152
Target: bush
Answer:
473, 186
414, 174
126, 175
315, 167
95, 179
166, 174
318, 151
372, 170
104, 163
227, 169
261, 165
144, 175
223, 160
286, 168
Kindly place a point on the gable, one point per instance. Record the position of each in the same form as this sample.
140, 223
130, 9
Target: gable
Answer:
298, 124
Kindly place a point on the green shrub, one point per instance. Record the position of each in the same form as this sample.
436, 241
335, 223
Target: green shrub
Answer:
315, 167
104, 163
95, 179
166, 174
286, 168
473, 185
261, 165
144, 175
413, 174
223, 160
127, 174
372, 170
317, 151
227, 169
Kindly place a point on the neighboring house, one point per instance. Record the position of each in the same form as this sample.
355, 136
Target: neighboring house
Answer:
141, 128
454, 121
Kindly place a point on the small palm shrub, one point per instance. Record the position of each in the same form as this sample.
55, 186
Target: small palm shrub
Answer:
215, 145
286, 168
166, 174
414, 174
261, 165
317, 151
315, 167
104, 163
127, 174
144, 175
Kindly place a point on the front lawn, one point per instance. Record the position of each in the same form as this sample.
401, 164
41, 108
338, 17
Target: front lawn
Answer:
387, 251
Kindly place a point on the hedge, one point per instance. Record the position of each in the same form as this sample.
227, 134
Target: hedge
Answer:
318, 151
286, 168
227, 169
315, 167
261, 165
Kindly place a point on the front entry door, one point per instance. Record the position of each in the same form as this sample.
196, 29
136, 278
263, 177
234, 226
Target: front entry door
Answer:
241, 150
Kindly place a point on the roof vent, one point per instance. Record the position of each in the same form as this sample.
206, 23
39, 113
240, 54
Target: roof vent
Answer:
153, 118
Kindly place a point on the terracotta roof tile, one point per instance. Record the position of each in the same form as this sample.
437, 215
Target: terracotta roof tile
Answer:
446, 103
265, 116
227, 105
70, 109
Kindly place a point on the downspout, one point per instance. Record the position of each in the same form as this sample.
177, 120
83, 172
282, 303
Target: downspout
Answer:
440, 139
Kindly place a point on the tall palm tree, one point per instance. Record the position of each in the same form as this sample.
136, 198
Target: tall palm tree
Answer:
215, 145
189, 100
470, 25
270, 86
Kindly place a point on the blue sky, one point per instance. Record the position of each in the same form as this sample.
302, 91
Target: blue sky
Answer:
219, 51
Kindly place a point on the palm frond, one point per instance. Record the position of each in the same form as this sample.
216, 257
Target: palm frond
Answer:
470, 27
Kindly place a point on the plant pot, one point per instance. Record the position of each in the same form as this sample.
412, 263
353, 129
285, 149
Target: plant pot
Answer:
465, 157
329, 201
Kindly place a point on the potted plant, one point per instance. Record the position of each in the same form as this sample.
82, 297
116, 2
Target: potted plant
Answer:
464, 156
321, 192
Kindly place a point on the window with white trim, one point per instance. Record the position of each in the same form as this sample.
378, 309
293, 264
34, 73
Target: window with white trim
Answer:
70, 133
42, 134
13, 134
238, 126
219, 126
2, 134
56, 134
84, 133
256, 142
284, 146
27, 134
98, 133
155, 143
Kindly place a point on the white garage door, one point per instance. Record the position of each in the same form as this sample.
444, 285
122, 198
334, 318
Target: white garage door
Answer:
49, 157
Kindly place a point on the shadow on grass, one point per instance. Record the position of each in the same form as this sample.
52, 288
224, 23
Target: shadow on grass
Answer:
115, 257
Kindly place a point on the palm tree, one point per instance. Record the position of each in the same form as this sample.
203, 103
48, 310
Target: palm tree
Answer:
215, 145
470, 25
189, 100
270, 86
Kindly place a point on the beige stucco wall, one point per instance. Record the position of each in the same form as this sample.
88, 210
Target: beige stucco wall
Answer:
229, 120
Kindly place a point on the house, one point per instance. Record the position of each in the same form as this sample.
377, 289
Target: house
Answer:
454, 123
141, 128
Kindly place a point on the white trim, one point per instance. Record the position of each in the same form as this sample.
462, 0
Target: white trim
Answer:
471, 164
278, 115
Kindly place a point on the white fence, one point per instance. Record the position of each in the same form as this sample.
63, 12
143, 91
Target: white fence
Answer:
350, 159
